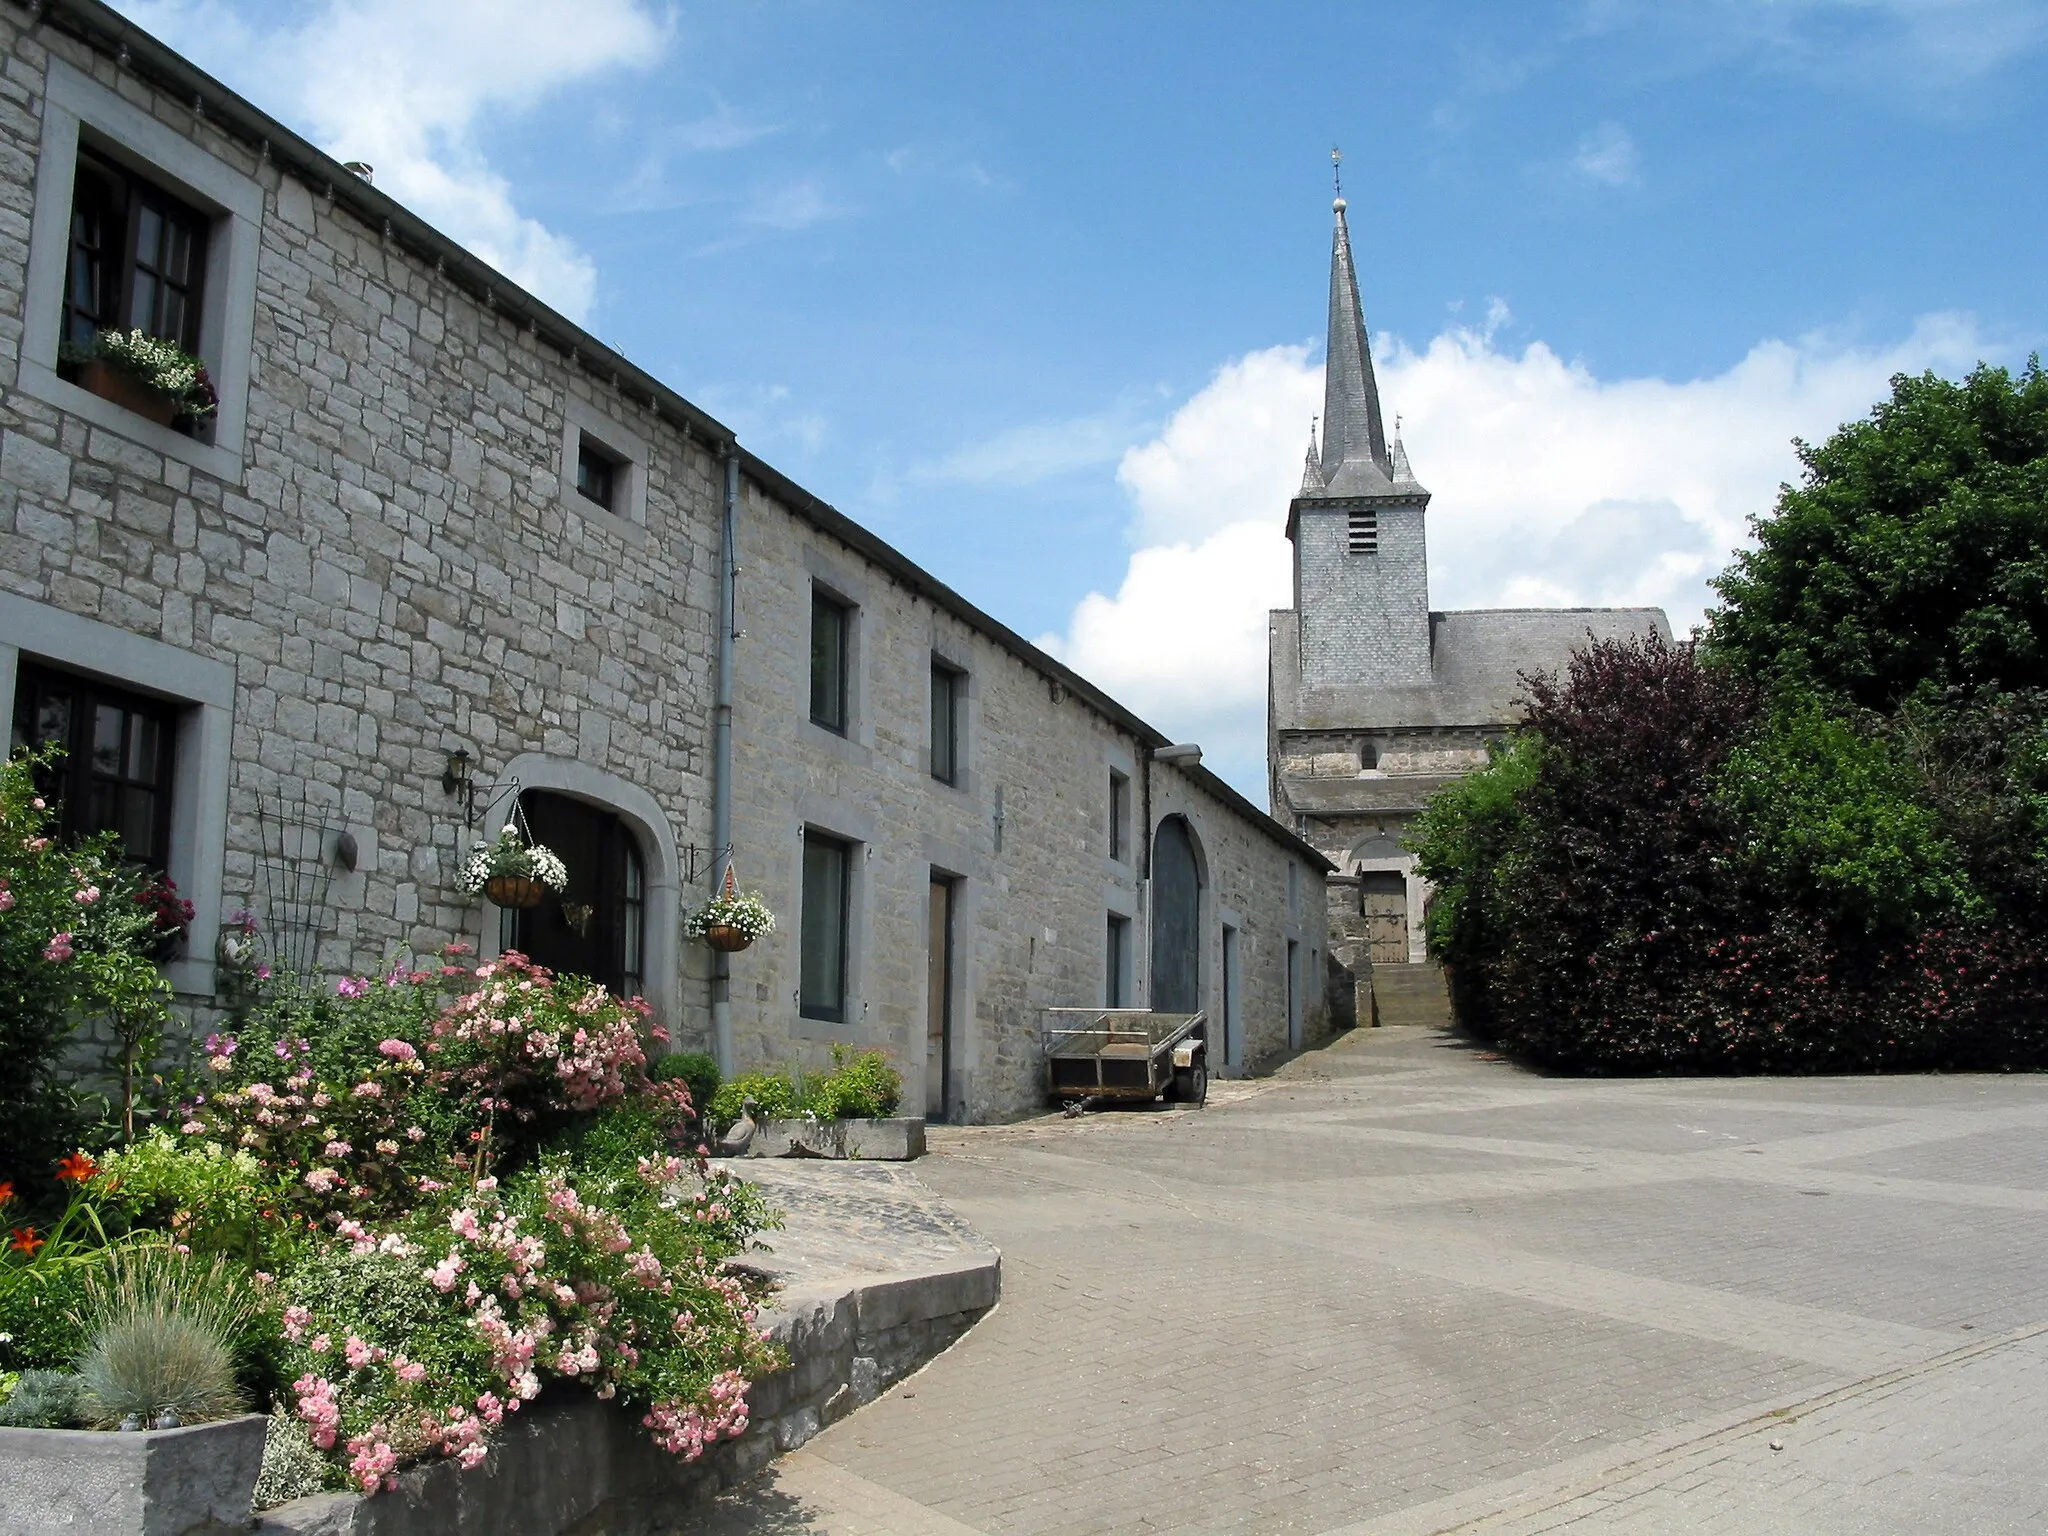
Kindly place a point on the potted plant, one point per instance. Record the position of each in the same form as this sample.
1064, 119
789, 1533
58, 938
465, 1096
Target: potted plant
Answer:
512, 872
732, 919
170, 915
154, 378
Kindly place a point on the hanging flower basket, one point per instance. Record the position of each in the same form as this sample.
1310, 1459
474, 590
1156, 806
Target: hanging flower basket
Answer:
512, 872
731, 920
514, 891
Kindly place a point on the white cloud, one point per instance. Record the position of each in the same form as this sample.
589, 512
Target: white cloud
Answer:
1038, 450
403, 85
1551, 487
1607, 155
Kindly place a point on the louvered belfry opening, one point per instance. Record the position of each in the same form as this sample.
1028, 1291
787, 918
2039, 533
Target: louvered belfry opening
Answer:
1364, 533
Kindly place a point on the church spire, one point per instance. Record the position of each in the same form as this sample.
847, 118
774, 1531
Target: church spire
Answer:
1311, 466
1354, 457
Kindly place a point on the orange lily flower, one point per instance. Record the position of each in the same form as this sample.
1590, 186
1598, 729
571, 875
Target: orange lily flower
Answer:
6, 1192
77, 1168
25, 1241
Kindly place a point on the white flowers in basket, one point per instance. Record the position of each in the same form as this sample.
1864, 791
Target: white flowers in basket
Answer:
511, 854
748, 915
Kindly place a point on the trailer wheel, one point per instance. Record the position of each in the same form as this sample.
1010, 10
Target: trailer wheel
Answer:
1191, 1083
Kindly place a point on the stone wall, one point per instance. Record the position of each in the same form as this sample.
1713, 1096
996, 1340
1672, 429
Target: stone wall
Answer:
1023, 833
377, 556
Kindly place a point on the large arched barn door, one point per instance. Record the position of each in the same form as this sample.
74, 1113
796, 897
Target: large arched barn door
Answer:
1176, 919
597, 927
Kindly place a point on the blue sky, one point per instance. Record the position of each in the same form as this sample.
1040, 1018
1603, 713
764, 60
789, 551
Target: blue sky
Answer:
1037, 291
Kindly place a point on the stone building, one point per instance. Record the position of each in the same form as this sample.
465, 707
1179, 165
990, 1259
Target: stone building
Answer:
1375, 702
441, 558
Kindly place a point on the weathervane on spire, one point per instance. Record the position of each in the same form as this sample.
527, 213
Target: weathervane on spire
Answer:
1337, 169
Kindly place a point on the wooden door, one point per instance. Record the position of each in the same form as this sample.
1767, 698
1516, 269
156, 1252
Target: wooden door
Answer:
1176, 920
1384, 894
938, 1028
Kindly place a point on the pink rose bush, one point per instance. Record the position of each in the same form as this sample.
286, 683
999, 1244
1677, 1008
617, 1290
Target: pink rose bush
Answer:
482, 1192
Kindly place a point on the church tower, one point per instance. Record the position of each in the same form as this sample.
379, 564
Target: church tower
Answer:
1361, 574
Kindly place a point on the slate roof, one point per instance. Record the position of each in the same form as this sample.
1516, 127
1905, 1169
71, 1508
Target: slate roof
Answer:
1477, 660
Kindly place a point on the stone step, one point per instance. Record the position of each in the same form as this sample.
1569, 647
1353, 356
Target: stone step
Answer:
1411, 994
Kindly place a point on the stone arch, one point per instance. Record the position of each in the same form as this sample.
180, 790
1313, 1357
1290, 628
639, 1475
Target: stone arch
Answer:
661, 863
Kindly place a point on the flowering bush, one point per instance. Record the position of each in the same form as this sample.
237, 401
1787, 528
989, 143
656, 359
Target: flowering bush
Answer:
163, 367
401, 1086
510, 854
74, 946
418, 1337
169, 913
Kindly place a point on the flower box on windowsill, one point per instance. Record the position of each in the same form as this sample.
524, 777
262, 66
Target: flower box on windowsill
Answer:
127, 391
156, 1482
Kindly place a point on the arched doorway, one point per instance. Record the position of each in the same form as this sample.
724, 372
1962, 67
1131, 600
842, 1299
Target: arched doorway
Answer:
1176, 919
597, 927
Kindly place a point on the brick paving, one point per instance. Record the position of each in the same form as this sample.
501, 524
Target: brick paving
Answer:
1404, 1288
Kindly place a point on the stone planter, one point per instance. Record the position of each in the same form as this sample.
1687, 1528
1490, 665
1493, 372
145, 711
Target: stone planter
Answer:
127, 391
158, 1482
894, 1140
514, 890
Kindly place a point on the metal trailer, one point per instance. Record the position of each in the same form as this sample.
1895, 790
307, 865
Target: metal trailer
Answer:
1126, 1053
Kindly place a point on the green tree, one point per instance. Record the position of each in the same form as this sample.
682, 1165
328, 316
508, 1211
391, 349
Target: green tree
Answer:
1914, 555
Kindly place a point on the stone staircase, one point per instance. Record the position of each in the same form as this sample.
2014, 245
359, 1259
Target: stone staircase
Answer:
1411, 994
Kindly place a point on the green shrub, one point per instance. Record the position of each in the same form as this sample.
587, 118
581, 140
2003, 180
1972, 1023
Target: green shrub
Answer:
859, 1087
697, 1071
772, 1091
45, 1400
293, 1467
211, 1199
1831, 814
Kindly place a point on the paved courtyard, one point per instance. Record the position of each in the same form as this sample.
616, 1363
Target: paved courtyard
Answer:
1404, 1287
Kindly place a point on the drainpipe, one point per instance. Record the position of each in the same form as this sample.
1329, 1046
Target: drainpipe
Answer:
721, 753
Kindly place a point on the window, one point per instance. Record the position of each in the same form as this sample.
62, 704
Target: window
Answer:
1119, 817
115, 775
1116, 974
948, 683
596, 474
1364, 533
136, 258
828, 873
831, 621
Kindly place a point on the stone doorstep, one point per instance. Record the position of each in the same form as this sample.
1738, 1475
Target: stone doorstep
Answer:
194, 1481
849, 1339
895, 1140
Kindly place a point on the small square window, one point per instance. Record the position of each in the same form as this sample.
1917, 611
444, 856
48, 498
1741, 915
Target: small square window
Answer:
831, 624
597, 475
115, 774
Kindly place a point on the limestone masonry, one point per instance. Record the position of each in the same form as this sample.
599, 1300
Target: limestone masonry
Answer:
432, 517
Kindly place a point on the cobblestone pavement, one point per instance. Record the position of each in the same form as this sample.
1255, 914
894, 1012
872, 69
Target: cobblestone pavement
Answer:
1405, 1288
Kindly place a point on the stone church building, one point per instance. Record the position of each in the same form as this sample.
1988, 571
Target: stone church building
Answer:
1374, 701
441, 557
